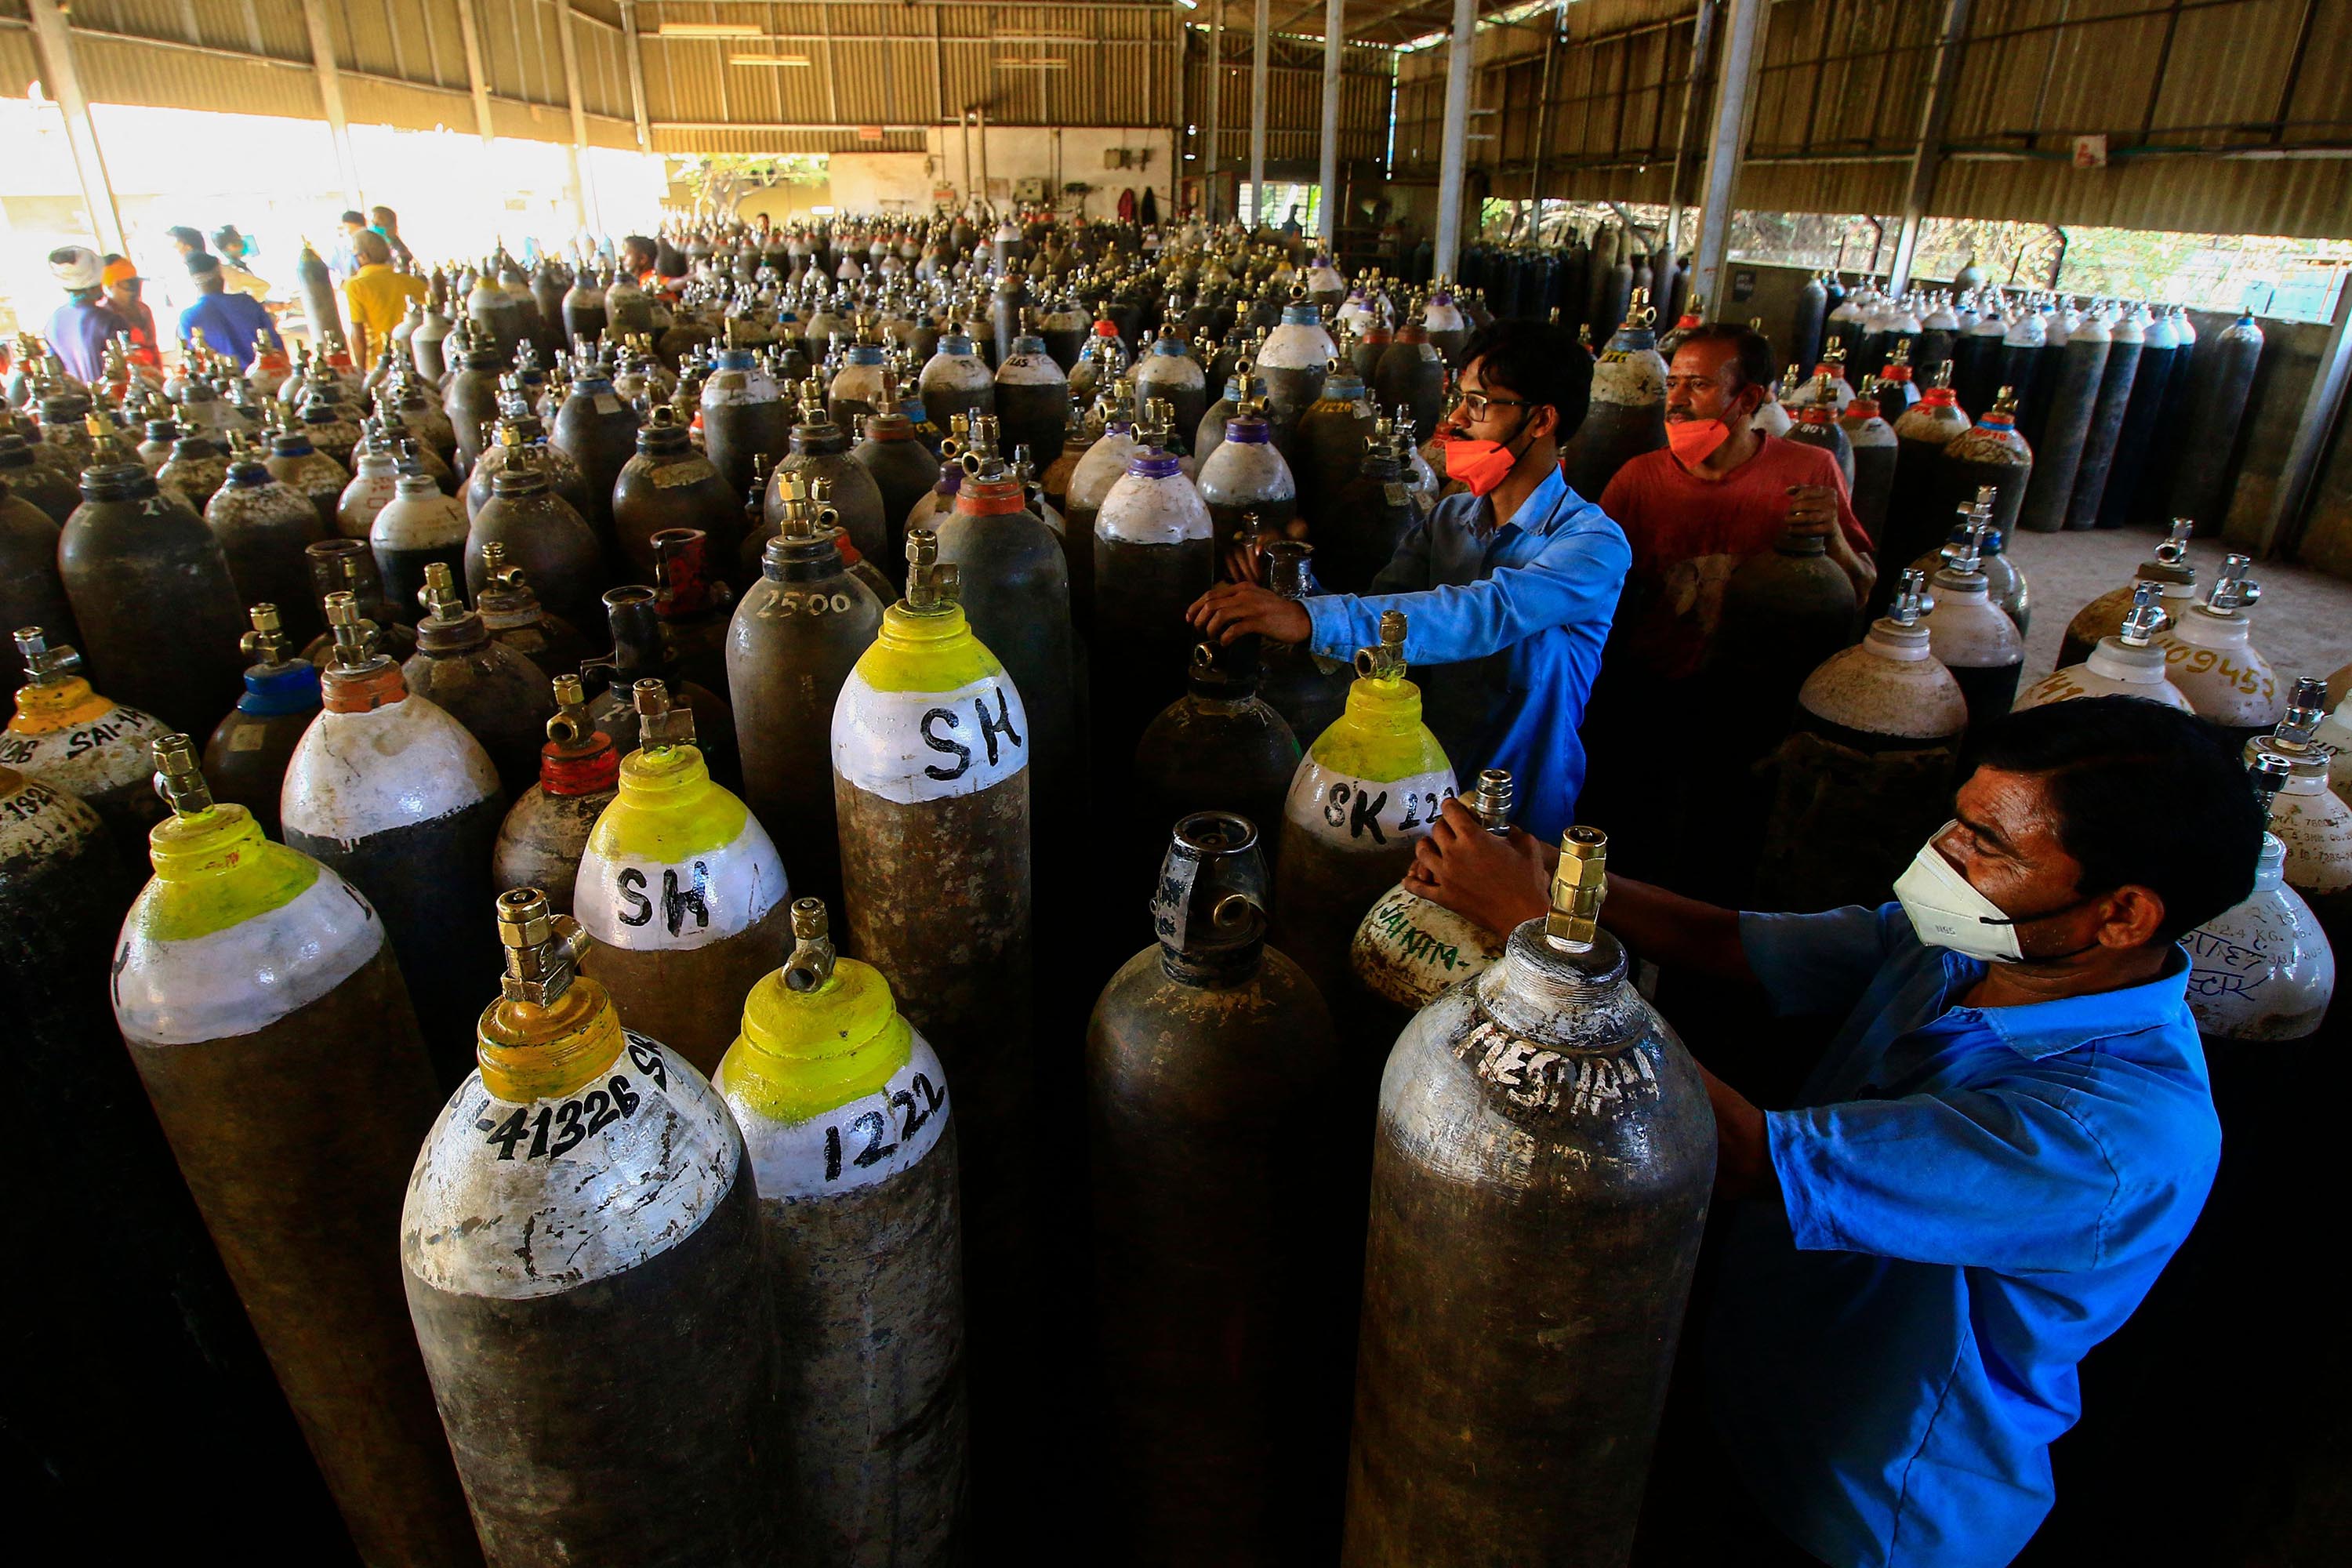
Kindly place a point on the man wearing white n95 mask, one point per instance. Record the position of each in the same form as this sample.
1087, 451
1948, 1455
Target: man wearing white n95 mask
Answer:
2003, 1145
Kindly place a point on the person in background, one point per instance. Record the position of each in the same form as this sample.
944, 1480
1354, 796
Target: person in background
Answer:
231, 323
378, 296
1508, 588
123, 287
345, 263
236, 252
79, 330
385, 224
638, 258
2006, 1141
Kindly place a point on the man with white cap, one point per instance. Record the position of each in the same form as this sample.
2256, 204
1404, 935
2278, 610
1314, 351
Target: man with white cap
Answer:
84, 324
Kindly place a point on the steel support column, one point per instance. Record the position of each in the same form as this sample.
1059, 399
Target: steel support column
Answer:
1686, 129
1453, 151
2278, 529
1335, 49
1543, 123
330, 97
636, 71
1928, 155
583, 196
1726, 136
469, 32
1258, 63
54, 41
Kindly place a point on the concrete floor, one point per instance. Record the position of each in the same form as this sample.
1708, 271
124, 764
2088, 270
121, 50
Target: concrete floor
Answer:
2302, 624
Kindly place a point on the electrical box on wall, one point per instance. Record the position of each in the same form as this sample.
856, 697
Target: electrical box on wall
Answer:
1032, 189
1117, 158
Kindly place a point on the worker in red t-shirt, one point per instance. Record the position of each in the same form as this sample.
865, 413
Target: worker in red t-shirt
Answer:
1721, 492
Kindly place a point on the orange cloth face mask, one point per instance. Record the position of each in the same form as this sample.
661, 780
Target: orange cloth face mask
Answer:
1694, 441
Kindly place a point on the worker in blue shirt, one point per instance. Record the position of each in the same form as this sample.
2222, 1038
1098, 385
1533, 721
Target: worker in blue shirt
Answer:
230, 323
1508, 588
2004, 1143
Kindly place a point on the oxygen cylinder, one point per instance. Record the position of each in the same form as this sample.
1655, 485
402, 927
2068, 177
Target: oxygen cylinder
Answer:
903, 467
345, 566
846, 1121
1412, 373
1969, 635
151, 592
418, 528
1246, 475
1206, 1058
1407, 949
2263, 970
2099, 438
2216, 407
2175, 580
1154, 554
1977, 357
2073, 403
497, 694
582, 308
2305, 816
2160, 346
333, 433
315, 287
597, 429
652, 1349
1783, 612
1308, 691
1370, 514
1167, 372
742, 414
1367, 788
397, 798
195, 468
375, 479
956, 381
31, 593
2005, 581
1805, 333
2208, 656
1872, 441
514, 619
1219, 747
820, 451
268, 1022
246, 757
2127, 664
796, 636
1817, 425
470, 397
302, 469
66, 736
1032, 395
541, 533
1842, 327
1627, 414
46, 487
1329, 449
1515, 1110
1991, 456
2173, 432
1294, 363
856, 385
564, 475
546, 833
427, 344
680, 888
668, 484
641, 652
1867, 771
265, 528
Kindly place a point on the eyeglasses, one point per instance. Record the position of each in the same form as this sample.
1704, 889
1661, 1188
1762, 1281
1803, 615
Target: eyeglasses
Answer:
1475, 405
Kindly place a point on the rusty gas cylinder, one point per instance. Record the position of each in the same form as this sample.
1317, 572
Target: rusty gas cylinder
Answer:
66, 736
820, 450
582, 1248
902, 467
1219, 747
512, 612
681, 888
666, 485
543, 836
846, 1113
796, 636
1542, 1135
1367, 788
1154, 555
246, 757
150, 591
310, 473
50, 488
694, 603
398, 798
1409, 949
500, 695
347, 566
597, 429
260, 1002
1627, 417
266, 529
1210, 1058
31, 593
542, 533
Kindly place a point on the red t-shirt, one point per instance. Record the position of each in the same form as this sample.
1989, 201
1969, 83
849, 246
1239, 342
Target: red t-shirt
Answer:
1689, 534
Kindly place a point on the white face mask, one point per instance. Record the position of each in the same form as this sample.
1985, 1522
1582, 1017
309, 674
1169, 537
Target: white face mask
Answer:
1946, 910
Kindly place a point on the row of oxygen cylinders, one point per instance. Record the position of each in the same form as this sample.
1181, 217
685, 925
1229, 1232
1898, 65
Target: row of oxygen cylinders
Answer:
613, 1178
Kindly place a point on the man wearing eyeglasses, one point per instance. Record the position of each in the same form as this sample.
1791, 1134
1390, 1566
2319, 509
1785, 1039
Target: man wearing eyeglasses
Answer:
1507, 588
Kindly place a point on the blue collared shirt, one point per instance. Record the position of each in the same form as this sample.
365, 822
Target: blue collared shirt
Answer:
229, 323
1971, 1198
1506, 626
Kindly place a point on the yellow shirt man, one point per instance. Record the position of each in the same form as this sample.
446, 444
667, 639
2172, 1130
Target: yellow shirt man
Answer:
379, 297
